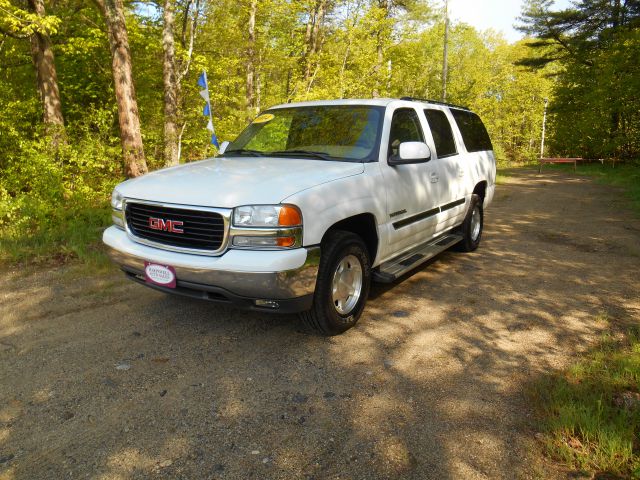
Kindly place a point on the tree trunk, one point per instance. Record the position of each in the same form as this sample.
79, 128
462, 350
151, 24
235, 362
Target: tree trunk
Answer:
347, 50
128, 116
321, 10
313, 43
46, 75
171, 87
307, 33
258, 90
343, 67
287, 85
251, 60
384, 6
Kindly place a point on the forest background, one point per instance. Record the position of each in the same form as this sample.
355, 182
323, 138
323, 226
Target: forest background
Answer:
95, 91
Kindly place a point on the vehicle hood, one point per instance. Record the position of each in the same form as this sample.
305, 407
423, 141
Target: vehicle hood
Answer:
235, 181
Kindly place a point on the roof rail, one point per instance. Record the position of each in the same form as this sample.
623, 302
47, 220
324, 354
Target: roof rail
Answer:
435, 102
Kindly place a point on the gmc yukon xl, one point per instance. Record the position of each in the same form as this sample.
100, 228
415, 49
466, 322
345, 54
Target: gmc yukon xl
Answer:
310, 204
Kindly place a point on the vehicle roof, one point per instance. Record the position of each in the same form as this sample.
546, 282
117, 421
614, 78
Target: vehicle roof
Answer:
377, 102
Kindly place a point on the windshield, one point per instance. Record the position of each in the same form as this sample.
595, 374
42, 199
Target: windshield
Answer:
336, 133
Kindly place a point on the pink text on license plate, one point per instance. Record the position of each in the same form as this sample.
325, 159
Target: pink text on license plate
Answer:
161, 275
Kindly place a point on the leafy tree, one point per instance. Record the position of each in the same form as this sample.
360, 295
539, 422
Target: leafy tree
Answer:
591, 94
256, 53
36, 26
174, 70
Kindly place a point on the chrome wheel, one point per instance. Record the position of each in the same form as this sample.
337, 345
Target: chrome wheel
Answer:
476, 223
346, 287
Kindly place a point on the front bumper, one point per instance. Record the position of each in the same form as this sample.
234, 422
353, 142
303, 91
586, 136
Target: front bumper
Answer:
285, 278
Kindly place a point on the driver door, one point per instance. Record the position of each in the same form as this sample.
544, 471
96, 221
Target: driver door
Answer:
412, 206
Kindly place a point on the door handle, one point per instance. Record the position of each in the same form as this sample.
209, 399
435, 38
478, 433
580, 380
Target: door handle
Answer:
460, 172
434, 177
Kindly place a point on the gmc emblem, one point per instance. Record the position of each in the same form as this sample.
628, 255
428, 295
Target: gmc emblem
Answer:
173, 226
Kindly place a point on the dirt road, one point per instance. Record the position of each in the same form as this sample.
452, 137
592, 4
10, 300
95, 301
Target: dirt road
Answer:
102, 378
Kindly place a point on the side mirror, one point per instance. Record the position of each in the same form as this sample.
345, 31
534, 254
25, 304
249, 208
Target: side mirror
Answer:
411, 152
223, 147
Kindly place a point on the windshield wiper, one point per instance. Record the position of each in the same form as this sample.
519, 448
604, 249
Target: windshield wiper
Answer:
309, 153
244, 151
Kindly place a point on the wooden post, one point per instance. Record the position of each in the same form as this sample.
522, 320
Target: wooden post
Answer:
544, 127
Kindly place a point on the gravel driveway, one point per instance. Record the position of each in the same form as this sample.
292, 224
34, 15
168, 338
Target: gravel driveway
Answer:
102, 378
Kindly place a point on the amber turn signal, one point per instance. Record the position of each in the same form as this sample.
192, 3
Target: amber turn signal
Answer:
286, 241
290, 216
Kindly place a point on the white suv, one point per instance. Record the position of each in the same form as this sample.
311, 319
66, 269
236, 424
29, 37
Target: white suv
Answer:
309, 204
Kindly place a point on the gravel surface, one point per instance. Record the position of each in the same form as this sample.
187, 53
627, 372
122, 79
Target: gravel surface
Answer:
102, 378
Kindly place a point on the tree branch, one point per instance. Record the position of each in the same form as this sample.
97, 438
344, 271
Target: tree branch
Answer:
192, 37
7, 33
185, 23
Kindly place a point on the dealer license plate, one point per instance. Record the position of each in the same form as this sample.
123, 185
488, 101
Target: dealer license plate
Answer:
161, 275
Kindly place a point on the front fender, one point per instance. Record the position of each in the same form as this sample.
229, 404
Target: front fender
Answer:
326, 204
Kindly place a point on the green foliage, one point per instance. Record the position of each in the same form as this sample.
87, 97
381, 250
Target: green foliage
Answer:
483, 74
43, 189
54, 199
588, 422
23, 23
596, 44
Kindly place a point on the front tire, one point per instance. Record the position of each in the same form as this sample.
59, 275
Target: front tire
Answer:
471, 228
342, 286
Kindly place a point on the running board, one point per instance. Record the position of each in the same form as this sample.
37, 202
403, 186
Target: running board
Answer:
390, 271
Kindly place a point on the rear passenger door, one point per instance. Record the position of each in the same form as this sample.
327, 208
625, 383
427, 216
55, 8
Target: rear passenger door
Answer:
478, 160
448, 157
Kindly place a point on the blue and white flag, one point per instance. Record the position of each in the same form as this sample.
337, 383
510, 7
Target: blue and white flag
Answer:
204, 93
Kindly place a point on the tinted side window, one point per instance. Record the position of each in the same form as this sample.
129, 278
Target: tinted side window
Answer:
442, 133
405, 127
474, 134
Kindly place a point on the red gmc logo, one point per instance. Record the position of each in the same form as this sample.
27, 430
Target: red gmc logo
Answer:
173, 226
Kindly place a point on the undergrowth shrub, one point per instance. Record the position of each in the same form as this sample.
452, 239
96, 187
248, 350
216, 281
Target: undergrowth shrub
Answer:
54, 196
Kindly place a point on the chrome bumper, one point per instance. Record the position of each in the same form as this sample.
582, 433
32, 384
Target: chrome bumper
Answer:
241, 275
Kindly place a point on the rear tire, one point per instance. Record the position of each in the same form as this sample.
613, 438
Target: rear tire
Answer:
342, 286
471, 228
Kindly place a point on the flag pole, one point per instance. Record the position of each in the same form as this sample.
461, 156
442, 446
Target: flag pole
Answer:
445, 60
203, 82
206, 82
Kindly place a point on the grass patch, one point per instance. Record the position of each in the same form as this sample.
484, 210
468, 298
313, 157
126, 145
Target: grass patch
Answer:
70, 234
502, 178
591, 413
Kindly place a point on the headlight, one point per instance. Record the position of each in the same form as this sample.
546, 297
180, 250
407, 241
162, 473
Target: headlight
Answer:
117, 216
267, 216
116, 200
267, 227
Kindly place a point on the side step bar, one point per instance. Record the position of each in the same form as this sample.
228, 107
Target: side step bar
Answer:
390, 271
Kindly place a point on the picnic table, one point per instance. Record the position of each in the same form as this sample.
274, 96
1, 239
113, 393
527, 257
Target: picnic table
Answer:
573, 160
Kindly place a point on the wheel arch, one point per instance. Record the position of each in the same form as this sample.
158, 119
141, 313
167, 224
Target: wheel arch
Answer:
481, 190
365, 226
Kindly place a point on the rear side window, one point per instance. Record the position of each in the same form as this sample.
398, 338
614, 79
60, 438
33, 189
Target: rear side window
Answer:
405, 127
474, 134
442, 133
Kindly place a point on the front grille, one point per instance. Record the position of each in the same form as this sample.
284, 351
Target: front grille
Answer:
203, 230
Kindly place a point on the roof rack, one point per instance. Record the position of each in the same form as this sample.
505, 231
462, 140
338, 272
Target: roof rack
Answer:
435, 102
